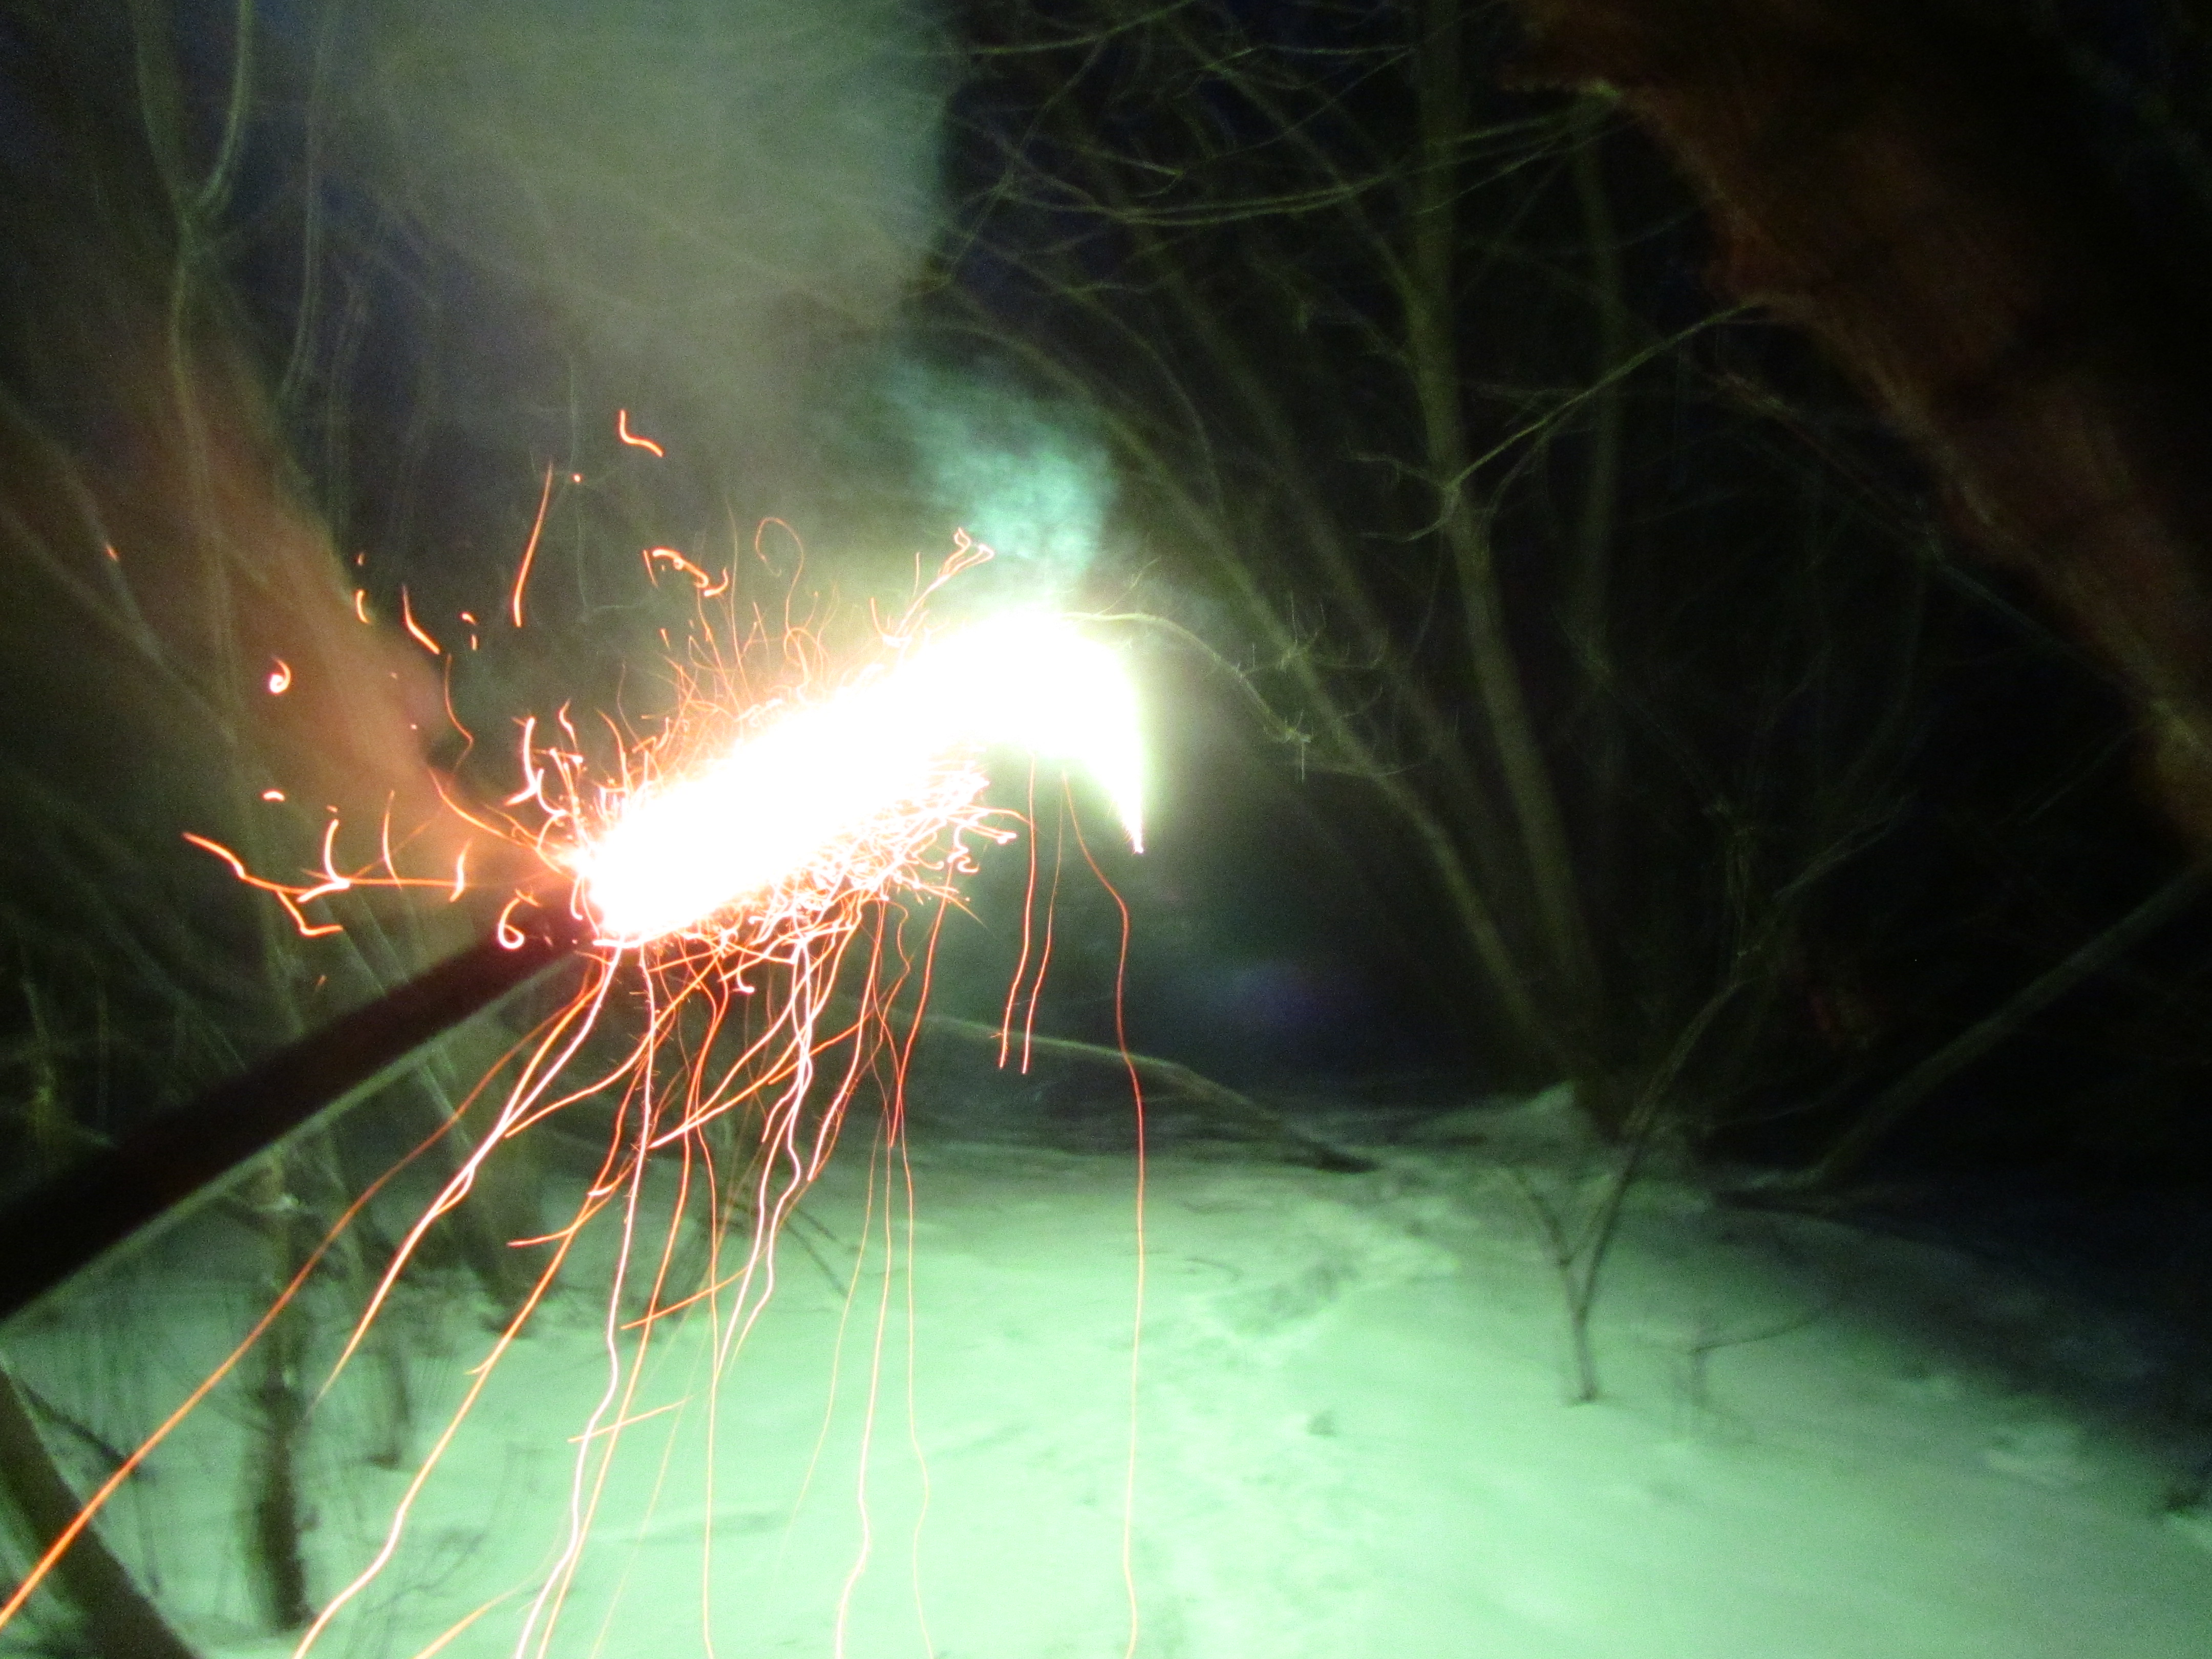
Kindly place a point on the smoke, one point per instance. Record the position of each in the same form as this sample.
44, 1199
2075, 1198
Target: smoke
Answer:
713, 205
725, 208
1027, 478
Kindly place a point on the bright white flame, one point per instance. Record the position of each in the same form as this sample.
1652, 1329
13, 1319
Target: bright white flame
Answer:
683, 851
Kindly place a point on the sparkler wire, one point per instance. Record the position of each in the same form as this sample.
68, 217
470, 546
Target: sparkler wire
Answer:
124, 1191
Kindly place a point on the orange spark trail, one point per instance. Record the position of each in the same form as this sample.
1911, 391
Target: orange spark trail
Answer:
529, 552
415, 629
708, 586
289, 897
622, 431
1137, 1317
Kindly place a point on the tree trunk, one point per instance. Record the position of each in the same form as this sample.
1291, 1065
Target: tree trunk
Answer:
280, 1406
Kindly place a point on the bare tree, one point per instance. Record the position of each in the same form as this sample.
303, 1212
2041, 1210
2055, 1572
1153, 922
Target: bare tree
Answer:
1359, 329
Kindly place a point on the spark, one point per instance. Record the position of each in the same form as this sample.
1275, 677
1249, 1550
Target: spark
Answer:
272, 795
628, 1422
360, 603
530, 551
622, 431
279, 677
415, 629
709, 587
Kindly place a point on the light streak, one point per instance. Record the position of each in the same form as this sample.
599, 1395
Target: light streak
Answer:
622, 431
290, 898
461, 1626
414, 629
709, 587
130, 1465
1137, 1316
628, 1422
279, 677
530, 551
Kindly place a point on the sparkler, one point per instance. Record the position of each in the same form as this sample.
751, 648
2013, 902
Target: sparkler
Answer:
751, 843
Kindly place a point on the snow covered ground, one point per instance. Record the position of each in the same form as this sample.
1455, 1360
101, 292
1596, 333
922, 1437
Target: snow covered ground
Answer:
1352, 1434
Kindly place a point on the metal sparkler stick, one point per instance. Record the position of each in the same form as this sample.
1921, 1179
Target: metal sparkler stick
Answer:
124, 1191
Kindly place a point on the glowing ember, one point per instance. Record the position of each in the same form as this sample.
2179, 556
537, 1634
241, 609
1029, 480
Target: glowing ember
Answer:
676, 855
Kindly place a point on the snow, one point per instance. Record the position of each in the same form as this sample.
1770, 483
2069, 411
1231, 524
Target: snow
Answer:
1351, 1434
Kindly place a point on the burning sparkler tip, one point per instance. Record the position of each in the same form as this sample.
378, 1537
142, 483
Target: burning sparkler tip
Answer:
887, 763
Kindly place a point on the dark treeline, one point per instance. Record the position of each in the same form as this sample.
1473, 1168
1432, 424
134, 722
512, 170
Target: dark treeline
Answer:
1669, 732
